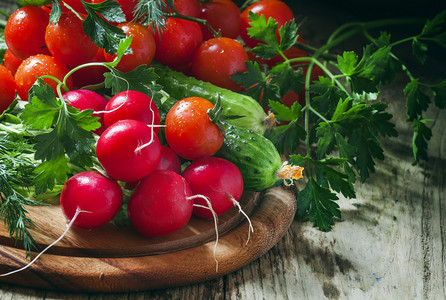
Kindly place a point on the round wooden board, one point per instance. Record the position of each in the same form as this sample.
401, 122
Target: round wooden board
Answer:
109, 259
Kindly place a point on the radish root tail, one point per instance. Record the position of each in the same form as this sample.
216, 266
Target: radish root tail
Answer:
215, 217
69, 225
237, 204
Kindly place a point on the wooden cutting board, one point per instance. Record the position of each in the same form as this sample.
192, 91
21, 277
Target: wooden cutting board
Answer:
110, 259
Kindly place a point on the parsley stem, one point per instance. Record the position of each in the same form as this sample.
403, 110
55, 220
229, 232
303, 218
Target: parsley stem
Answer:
9, 129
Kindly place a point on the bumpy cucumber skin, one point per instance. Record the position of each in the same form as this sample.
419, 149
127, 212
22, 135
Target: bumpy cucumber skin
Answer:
255, 156
180, 86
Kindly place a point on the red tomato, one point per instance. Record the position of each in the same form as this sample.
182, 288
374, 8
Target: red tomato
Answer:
276, 9
25, 31
91, 75
189, 131
36, 66
176, 45
11, 62
76, 5
222, 15
217, 60
143, 46
7, 88
68, 42
189, 8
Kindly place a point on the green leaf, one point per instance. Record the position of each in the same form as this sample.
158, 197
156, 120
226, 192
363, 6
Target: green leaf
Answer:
140, 79
326, 96
65, 135
262, 29
419, 49
347, 62
319, 204
288, 35
417, 101
383, 40
422, 134
287, 78
49, 172
435, 25
335, 179
439, 91
56, 12
42, 103
284, 113
102, 33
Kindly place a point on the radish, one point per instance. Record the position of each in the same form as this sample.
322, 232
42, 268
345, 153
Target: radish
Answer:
216, 178
86, 99
160, 204
169, 160
132, 105
97, 196
128, 150
88, 200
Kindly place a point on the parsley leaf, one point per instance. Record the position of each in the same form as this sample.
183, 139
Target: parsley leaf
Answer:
290, 135
422, 134
66, 132
439, 91
319, 204
56, 12
139, 79
417, 101
102, 33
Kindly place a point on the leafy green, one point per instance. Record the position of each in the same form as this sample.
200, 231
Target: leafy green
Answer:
153, 12
16, 172
319, 204
102, 33
66, 132
140, 79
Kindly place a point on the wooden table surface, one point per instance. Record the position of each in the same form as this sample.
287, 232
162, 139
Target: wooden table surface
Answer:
389, 244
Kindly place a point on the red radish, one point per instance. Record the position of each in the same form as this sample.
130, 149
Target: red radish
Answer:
98, 196
128, 150
216, 178
169, 160
86, 99
132, 105
160, 204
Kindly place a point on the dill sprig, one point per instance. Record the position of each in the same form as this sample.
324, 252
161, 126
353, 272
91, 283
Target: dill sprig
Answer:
16, 175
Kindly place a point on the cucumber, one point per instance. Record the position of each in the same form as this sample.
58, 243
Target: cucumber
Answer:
257, 158
180, 86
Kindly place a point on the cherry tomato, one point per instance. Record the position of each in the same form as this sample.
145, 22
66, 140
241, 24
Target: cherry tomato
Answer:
176, 45
276, 9
91, 75
25, 31
77, 5
11, 62
67, 41
143, 46
189, 130
222, 15
217, 60
7, 88
36, 66
189, 8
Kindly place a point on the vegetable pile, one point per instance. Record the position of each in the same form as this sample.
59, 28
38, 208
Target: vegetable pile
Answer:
148, 112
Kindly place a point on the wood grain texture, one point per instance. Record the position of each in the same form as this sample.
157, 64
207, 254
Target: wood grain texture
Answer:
137, 263
390, 243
